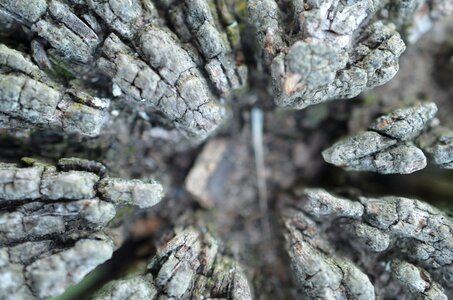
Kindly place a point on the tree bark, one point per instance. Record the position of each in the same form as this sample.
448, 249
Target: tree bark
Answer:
133, 88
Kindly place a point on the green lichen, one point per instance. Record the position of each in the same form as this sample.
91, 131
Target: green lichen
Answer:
60, 69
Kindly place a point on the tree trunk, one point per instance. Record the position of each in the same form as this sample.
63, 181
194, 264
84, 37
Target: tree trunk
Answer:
227, 108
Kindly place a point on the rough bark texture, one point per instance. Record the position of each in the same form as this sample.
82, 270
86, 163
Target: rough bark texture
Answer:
139, 85
438, 144
189, 266
184, 74
31, 98
145, 61
325, 50
400, 247
386, 147
53, 222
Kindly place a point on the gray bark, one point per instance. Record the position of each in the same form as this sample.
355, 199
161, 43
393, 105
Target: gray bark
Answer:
53, 223
189, 266
437, 142
30, 97
122, 80
387, 147
372, 248
186, 74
